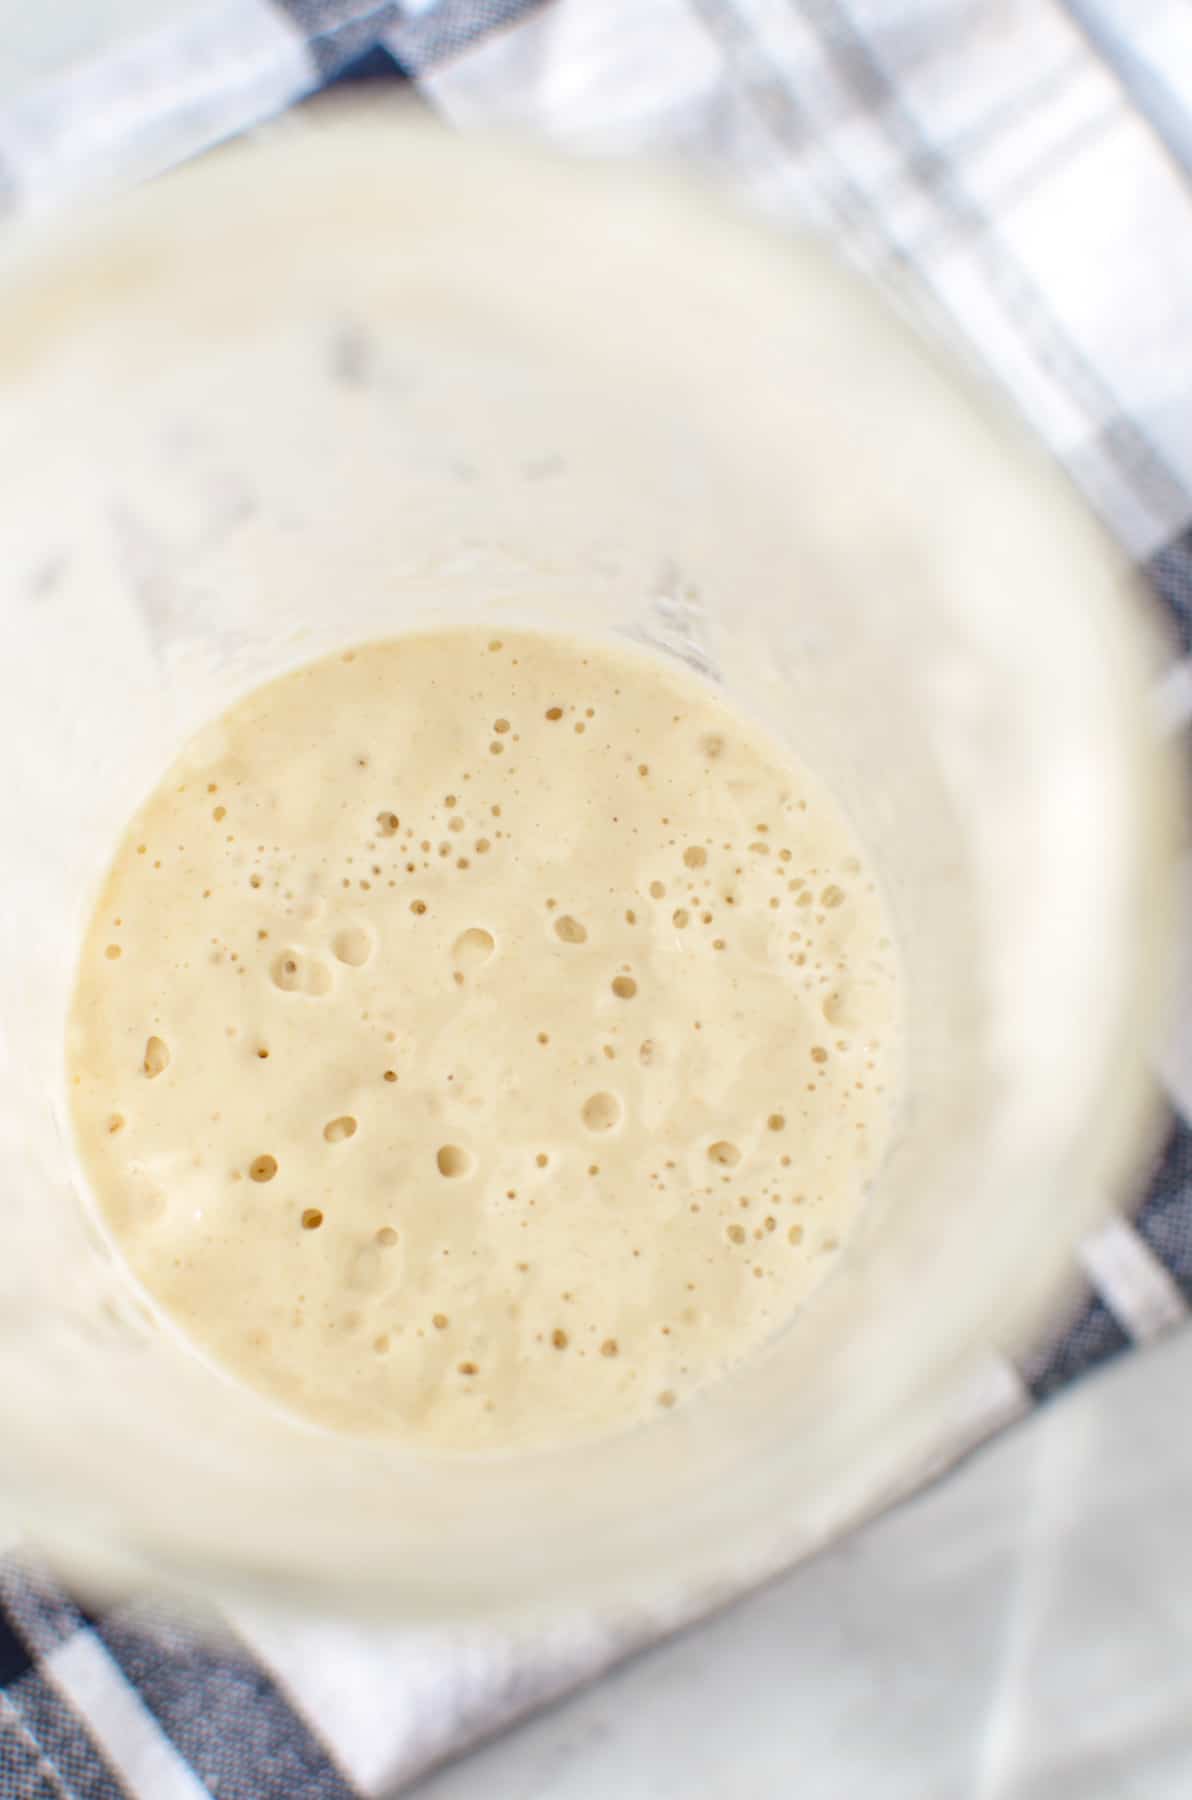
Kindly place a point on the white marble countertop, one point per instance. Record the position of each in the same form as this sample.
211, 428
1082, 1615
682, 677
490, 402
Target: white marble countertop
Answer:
1021, 1632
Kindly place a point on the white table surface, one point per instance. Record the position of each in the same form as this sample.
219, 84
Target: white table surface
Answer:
1023, 1631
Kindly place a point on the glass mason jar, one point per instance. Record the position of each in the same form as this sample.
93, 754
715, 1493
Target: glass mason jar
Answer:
364, 376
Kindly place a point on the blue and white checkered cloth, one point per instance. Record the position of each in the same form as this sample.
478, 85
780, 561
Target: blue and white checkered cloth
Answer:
1025, 161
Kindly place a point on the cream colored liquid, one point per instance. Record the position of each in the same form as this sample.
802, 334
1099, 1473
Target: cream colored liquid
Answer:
483, 1042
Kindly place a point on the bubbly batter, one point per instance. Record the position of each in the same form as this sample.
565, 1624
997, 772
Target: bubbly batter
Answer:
483, 1040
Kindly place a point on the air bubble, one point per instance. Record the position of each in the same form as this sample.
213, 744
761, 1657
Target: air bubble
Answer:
353, 945
695, 856
666, 1398
680, 917
472, 948
795, 1235
610, 1347
418, 907
735, 1234
263, 1168
500, 726
389, 823
453, 1161
818, 1053
113, 953
157, 1057
832, 896
657, 890
776, 1121
726, 1155
440, 1321
336, 1130
570, 930
601, 1112
286, 971
624, 987
386, 1237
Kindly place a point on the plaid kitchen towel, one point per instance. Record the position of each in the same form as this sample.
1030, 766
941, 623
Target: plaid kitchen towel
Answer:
1023, 163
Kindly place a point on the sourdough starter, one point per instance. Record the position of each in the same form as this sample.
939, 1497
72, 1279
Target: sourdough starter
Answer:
483, 1040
